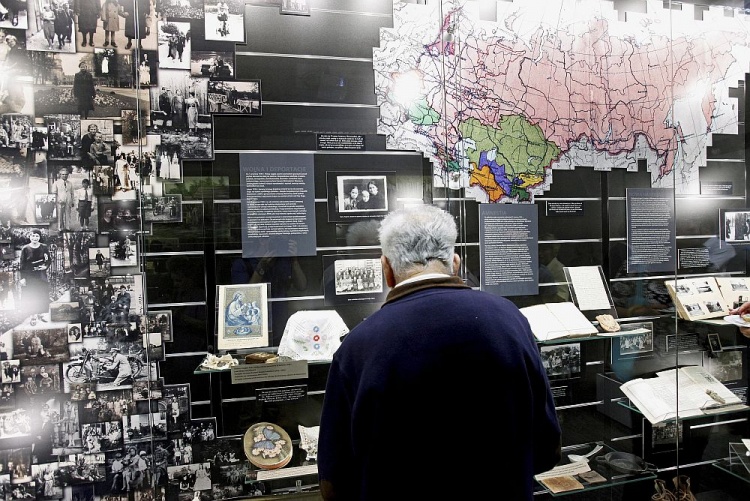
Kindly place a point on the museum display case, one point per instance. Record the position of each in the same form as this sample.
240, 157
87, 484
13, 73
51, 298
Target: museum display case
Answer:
190, 195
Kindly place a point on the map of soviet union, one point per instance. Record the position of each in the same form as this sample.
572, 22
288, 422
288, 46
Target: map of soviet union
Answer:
558, 85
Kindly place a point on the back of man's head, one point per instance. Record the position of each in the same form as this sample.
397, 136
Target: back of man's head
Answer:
413, 238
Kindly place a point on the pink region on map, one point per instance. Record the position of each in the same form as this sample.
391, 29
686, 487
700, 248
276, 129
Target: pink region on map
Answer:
608, 90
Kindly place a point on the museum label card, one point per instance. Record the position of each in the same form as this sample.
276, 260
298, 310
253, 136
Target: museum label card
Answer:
258, 373
278, 204
509, 249
651, 230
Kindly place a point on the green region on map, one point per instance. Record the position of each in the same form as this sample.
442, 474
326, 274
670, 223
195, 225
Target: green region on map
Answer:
520, 145
422, 114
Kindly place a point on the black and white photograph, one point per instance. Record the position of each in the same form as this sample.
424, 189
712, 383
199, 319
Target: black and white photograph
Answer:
714, 342
108, 406
111, 365
235, 97
83, 393
295, 7
737, 226
726, 366
15, 424
666, 434
131, 133
99, 262
11, 372
96, 146
75, 247
213, 64
634, 344
24, 177
182, 9
14, 15
174, 45
113, 69
123, 248
75, 333
47, 480
562, 361
82, 468
160, 321
703, 287
179, 113
63, 137
15, 130
362, 193
119, 216
190, 478
353, 278
738, 285
45, 208
144, 427
199, 430
358, 276
168, 165
146, 68
74, 198
41, 380
18, 462
7, 398
68, 84
147, 390
112, 23
713, 306
64, 311
694, 310
177, 400
101, 437
225, 20
38, 346
166, 209
179, 451
115, 299
126, 179
8, 282
152, 343
52, 27
682, 289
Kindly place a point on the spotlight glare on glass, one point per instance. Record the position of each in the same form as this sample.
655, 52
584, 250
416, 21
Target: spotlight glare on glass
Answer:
407, 88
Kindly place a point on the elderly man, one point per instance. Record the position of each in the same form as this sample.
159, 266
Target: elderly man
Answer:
441, 371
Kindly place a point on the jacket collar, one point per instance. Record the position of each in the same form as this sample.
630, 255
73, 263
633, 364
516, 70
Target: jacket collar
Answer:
404, 290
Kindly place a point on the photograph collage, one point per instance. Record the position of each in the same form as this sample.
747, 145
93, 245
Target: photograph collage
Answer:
102, 101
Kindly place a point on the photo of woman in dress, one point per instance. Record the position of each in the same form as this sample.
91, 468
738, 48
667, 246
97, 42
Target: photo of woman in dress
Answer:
34, 262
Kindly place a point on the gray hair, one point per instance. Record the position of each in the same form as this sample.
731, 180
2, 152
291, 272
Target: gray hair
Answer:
411, 238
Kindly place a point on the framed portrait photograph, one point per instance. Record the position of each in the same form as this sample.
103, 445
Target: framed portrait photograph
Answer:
354, 197
352, 278
160, 321
640, 343
243, 316
562, 361
735, 225
714, 342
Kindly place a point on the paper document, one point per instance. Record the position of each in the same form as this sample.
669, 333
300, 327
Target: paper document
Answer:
588, 287
557, 320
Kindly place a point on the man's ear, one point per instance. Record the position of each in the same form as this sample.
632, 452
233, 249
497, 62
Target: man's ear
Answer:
456, 264
390, 277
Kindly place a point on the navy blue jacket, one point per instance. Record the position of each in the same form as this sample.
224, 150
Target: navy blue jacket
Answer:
439, 394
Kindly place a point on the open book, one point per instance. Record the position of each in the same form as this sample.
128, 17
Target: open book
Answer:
699, 394
706, 297
557, 320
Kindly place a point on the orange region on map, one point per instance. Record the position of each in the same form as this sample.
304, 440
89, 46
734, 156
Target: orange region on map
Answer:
483, 177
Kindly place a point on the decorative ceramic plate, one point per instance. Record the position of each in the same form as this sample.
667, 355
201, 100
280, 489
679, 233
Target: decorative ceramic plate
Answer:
267, 446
